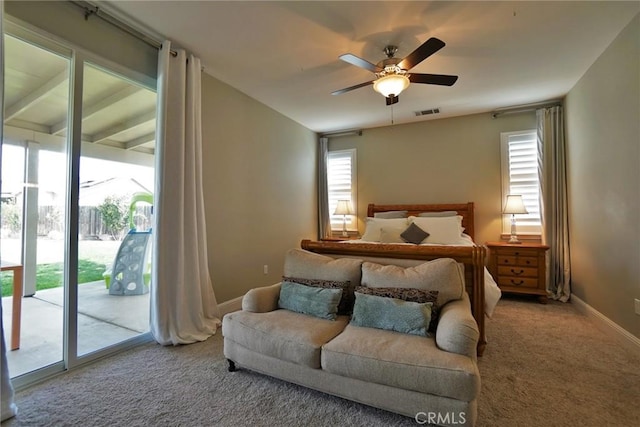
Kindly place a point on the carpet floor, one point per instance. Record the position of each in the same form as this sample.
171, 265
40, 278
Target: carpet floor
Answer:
545, 365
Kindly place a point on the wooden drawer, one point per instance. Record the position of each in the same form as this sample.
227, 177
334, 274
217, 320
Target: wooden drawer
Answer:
526, 261
517, 271
518, 282
517, 252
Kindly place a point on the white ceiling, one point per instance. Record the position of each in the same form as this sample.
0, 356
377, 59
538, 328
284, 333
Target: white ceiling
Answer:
285, 54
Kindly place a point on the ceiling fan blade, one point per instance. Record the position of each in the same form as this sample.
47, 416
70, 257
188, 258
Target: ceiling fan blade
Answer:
347, 89
359, 62
424, 51
433, 79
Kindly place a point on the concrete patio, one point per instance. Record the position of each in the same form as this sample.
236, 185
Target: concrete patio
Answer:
103, 320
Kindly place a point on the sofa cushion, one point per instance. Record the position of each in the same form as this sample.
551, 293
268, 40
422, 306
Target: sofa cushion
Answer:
444, 275
283, 334
391, 314
314, 301
401, 360
307, 265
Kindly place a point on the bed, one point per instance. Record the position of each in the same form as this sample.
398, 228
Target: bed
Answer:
481, 287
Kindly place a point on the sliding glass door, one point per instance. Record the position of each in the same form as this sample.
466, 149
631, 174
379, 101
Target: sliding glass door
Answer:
34, 186
77, 200
115, 204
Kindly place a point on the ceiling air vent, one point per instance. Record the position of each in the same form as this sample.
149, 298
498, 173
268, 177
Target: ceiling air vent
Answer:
427, 112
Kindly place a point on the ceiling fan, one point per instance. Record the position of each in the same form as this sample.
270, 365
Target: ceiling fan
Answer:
392, 73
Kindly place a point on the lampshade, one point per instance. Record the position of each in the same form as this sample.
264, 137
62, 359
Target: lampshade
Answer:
391, 84
344, 208
514, 205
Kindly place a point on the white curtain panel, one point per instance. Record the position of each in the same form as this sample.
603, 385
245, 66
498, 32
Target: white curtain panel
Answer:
324, 220
8, 408
553, 185
183, 306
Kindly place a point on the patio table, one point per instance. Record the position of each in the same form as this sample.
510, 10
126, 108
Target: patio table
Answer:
16, 300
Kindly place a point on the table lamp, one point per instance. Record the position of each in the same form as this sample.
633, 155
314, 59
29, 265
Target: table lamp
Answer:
344, 208
514, 206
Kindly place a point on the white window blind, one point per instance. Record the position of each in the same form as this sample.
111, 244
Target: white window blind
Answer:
520, 176
341, 180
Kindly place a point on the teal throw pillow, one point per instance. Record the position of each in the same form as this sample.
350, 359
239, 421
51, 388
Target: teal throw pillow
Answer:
318, 302
346, 302
392, 314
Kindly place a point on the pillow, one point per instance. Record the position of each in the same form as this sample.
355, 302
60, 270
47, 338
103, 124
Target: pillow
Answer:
442, 230
391, 214
307, 265
407, 294
373, 226
414, 234
444, 275
318, 302
345, 306
391, 235
391, 314
438, 214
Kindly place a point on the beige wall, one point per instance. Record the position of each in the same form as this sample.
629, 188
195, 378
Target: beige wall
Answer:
452, 160
603, 148
259, 185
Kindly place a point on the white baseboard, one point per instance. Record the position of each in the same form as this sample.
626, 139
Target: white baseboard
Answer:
624, 336
230, 306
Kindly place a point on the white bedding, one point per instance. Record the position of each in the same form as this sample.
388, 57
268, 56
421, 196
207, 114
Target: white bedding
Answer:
492, 292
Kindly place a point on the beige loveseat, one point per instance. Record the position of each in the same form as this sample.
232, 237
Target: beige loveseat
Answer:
431, 378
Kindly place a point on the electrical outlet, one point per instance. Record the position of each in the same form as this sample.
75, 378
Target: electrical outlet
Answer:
265, 269
637, 304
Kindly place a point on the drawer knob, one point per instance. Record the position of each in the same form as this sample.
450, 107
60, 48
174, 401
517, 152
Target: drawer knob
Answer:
518, 283
528, 262
517, 273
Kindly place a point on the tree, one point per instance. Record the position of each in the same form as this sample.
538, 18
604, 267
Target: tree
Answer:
115, 215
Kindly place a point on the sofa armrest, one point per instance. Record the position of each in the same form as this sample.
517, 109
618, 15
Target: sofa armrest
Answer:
457, 330
261, 300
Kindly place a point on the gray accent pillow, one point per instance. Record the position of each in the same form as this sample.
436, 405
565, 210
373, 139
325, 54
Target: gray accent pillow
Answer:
391, 214
414, 234
318, 302
438, 214
346, 301
391, 314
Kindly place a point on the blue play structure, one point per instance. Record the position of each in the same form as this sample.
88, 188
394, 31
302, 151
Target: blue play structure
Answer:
130, 273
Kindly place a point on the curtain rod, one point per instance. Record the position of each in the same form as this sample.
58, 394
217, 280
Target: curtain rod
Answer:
524, 108
91, 10
353, 132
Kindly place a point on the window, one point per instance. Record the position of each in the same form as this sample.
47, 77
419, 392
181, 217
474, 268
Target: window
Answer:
341, 182
520, 176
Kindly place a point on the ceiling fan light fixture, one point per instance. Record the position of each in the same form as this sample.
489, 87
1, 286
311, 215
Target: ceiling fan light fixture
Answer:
391, 84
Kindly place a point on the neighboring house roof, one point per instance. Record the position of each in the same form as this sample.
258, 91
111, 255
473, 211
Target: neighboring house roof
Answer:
92, 193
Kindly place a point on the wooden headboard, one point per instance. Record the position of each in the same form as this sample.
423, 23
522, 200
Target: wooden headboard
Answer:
463, 209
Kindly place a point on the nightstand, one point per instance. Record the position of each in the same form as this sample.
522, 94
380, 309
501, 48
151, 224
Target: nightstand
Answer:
519, 268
